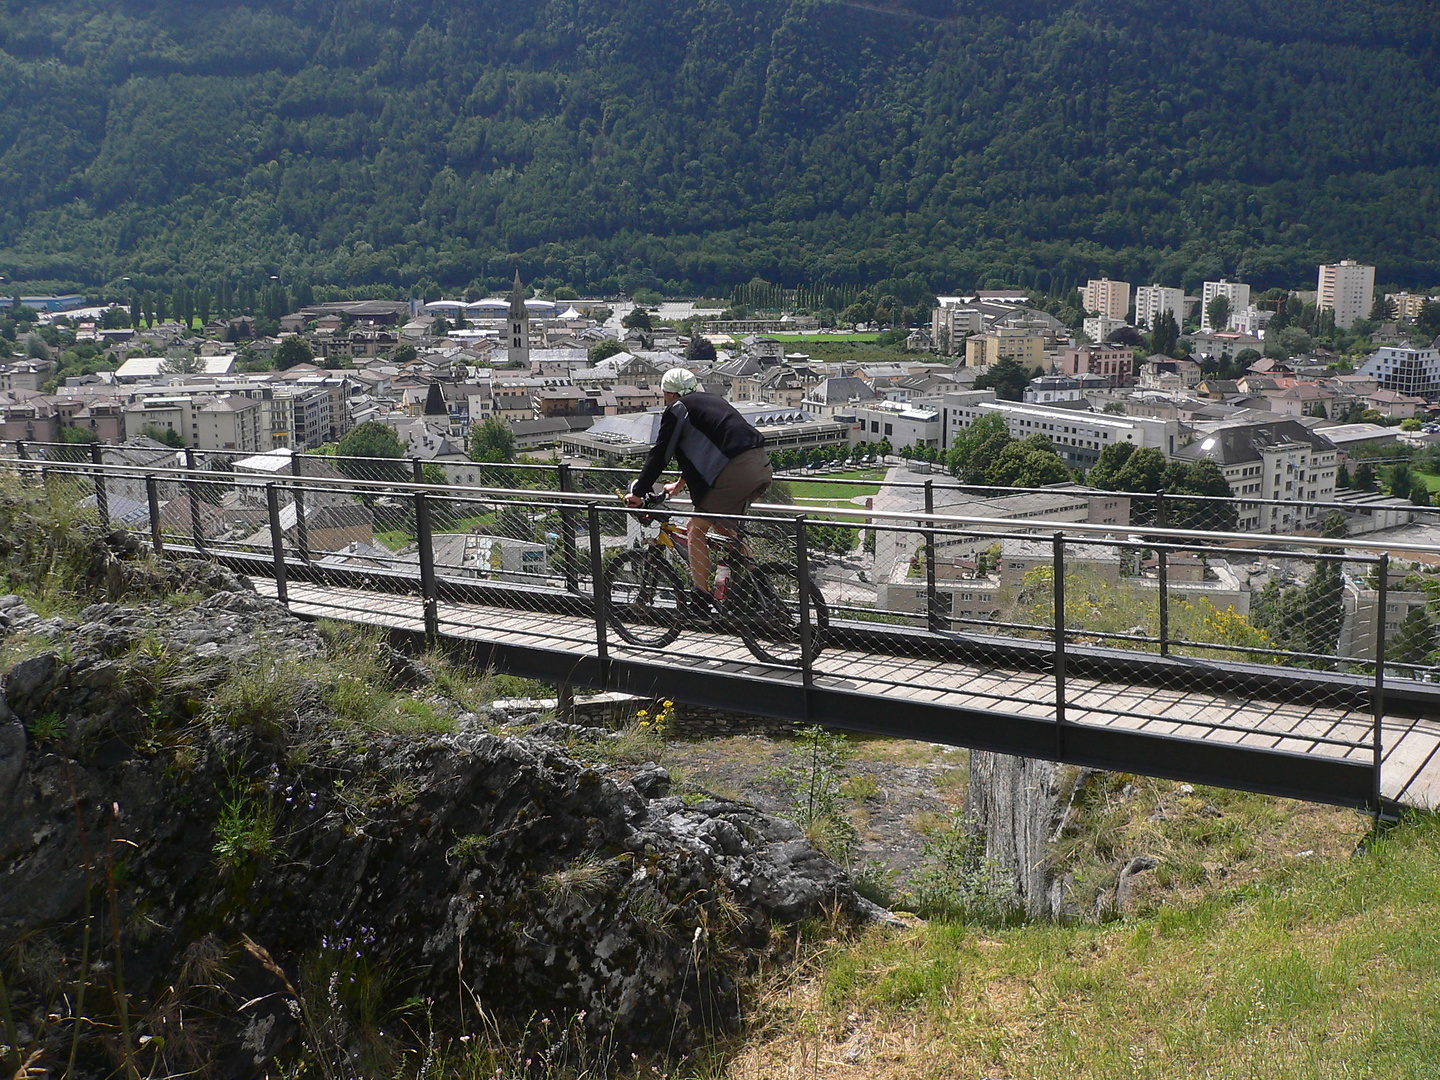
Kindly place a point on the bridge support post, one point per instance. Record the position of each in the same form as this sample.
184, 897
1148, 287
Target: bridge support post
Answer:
192, 496
569, 557
302, 530
1059, 597
425, 543
102, 494
602, 599
277, 543
934, 618
152, 499
1378, 697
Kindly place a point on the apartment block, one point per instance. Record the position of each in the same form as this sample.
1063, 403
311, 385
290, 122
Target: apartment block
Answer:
1238, 293
1415, 372
1348, 289
1078, 437
1280, 460
1106, 297
1407, 305
1114, 363
1023, 346
1151, 300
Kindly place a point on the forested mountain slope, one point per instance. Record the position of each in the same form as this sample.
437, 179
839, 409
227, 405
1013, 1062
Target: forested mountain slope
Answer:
609, 143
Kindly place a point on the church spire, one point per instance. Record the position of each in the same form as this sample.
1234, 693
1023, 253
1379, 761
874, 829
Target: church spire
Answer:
517, 298
518, 351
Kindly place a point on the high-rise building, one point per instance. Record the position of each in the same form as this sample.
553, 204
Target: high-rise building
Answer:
1151, 300
1348, 289
1407, 305
1238, 293
1106, 297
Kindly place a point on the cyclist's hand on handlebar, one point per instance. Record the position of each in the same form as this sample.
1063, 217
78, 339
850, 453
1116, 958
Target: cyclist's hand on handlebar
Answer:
631, 499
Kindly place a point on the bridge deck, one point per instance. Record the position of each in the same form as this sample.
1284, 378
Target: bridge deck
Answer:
1176, 724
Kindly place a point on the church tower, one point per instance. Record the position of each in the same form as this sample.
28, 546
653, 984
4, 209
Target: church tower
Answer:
518, 346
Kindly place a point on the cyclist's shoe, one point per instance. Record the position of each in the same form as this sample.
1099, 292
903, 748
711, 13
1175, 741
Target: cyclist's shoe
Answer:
702, 604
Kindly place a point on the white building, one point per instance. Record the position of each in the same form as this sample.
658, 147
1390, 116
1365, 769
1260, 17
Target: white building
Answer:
1100, 327
1151, 300
1348, 289
902, 425
1406, 371
1106, 297
1236, 292
1281, 460
1078, 436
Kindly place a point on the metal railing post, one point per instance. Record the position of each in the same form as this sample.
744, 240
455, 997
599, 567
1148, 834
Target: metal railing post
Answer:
1059, 598
425, 543
302, 528
192, 492
152, 499
802, 590
1164, 582
1378, 703
569, 557
602, 598
23, 453
277, 543
102, 494
417, 470
932, 598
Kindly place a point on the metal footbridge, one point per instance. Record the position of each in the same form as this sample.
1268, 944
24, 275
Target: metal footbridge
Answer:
1183, 688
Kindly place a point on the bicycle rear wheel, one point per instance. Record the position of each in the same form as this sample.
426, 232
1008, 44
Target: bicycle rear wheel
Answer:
769, 614
646, 599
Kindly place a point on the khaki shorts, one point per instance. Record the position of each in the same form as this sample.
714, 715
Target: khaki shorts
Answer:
739, 484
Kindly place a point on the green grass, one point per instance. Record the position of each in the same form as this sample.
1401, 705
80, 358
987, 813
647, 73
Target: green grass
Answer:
863, 482
860, 338
1432, 480
1329, 969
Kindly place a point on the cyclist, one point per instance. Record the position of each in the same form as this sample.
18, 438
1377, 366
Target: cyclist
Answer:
722, 461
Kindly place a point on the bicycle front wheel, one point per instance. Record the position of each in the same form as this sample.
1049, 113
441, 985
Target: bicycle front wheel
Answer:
770, 623
646, 598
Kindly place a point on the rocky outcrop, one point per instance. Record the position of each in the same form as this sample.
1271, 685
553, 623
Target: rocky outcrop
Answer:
282, 882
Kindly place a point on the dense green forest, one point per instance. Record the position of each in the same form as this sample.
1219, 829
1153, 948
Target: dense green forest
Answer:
621, 144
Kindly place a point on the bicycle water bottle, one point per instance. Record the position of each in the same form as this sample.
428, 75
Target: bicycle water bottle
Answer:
722, 579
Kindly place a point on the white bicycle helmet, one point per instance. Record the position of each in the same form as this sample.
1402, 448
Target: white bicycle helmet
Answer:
679, 380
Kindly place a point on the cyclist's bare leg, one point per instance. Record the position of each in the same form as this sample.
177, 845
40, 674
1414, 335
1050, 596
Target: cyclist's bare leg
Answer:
698, 543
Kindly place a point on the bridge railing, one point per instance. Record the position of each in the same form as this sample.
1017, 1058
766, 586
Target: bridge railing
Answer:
1170, 606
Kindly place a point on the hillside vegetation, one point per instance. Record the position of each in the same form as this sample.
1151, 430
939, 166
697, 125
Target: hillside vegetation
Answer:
605, 145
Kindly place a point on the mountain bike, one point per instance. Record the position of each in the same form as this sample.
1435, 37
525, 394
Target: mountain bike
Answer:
649, 597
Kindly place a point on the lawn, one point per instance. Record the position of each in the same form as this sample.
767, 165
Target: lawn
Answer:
861, 482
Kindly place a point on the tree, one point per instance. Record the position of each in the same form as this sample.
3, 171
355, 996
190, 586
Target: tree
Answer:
1028, 462
372, 439
168, 436
701, 350
1365, 476
1342, 477
638, 319
404, 354
1202, 477
1217, 312
1383, 310
491, 441
1127, 467
1427, 320
973, 449
1414, 639
1006, 377
602, 349
1164, 334
293, 350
